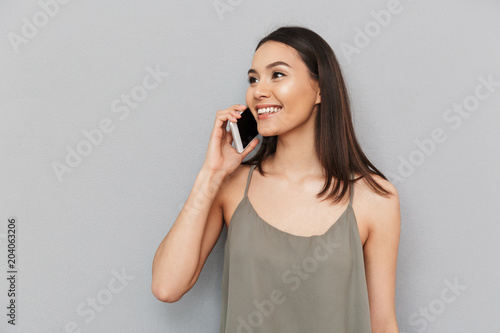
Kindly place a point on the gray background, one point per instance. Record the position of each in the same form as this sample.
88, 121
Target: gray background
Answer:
108, 215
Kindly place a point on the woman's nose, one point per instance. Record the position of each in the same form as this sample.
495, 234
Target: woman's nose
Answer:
261, 90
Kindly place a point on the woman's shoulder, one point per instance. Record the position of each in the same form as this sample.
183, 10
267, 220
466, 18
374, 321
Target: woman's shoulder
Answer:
376, 205
233, 185
362, 182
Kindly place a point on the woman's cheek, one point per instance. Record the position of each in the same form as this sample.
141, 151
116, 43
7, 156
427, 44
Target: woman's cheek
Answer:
286, 91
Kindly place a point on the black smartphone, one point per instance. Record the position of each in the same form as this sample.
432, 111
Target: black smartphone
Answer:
244, 130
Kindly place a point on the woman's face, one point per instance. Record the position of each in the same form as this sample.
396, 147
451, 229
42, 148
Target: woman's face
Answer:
279, 78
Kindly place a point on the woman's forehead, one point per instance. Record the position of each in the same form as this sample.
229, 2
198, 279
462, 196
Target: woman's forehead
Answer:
272, 52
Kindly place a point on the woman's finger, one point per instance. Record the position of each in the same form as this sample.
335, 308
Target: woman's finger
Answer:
229, 136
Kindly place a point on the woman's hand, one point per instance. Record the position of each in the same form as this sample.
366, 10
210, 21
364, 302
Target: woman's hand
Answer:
221, 156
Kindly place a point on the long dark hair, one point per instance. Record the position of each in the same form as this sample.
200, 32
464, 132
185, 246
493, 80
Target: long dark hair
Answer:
335, 142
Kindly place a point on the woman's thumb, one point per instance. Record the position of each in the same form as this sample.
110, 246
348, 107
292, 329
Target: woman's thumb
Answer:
250, 147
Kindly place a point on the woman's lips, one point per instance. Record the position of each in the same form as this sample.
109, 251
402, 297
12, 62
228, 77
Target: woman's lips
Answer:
267, 115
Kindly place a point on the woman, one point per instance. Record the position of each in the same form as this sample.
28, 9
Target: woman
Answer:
312, 243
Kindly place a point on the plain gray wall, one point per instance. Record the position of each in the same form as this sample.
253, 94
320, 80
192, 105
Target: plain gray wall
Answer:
422, 112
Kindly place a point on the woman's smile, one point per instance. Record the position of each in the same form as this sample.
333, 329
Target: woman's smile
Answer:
267, 115
265, 111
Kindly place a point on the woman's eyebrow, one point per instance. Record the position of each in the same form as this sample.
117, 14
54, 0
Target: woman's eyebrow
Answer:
276, 63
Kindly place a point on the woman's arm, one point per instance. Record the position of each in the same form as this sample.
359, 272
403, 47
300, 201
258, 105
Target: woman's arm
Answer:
182, 253
380, 255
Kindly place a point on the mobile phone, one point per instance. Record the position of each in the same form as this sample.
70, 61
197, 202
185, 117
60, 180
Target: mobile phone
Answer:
244, 131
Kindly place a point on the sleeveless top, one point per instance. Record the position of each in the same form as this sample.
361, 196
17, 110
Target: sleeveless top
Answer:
274, 281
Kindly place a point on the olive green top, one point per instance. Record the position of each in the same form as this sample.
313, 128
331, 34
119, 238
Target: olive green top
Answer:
274, 281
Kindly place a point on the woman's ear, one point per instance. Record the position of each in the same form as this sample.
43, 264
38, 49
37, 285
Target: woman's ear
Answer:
318, 97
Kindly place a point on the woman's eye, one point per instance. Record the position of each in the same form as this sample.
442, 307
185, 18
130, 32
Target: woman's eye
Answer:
277, 73
252, 79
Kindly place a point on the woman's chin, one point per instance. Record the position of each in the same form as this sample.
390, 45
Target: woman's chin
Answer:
267, 133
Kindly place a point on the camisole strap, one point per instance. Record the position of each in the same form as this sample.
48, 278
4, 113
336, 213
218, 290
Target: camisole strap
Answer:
352, 187
253, 167
249, 176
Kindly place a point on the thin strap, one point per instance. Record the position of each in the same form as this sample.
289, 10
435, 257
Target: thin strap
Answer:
253, 167
249, 176
352, 188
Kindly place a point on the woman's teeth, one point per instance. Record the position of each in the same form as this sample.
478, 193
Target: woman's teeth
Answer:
268, 110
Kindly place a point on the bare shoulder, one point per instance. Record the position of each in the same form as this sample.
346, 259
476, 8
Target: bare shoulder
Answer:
379, 211
232, 188
364, 187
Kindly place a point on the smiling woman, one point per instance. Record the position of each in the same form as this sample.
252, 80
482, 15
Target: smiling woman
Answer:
303, 252
288, 81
